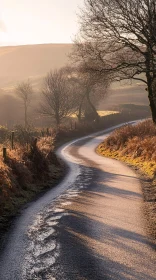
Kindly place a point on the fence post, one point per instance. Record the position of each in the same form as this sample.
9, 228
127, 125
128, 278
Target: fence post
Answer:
4, 153
47, 131
12, 139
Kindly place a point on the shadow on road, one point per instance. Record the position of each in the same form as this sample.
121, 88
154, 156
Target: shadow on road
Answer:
76, 232
81, 233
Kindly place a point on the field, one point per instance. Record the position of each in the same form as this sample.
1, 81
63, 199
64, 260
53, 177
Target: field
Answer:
100, 113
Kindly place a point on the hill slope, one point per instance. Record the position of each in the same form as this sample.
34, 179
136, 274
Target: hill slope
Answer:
18, 63
34, 61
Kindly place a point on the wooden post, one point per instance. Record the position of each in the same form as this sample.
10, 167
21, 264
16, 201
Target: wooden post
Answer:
75, 125
47, 131
12, 139
4, 153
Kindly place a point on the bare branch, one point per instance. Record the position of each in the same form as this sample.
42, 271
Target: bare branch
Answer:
24, 91
119, 37
58, 96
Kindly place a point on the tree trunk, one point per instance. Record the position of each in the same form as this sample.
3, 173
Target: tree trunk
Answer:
58, 122
57, 118
93, 108
150, 85
152, 100
79, 115
25, 116
151, 97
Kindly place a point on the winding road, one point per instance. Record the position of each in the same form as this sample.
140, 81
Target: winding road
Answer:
89, 227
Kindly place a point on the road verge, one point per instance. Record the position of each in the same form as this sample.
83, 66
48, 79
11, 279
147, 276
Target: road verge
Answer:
136, 146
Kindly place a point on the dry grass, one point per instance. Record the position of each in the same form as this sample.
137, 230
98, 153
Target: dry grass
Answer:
24, 173
133, 144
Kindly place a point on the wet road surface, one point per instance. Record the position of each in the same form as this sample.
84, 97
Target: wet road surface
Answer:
91, 226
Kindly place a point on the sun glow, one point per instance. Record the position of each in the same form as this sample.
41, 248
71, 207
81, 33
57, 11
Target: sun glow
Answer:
38, 21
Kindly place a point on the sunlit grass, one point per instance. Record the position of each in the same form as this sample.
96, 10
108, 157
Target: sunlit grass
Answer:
133, 144
106, 113
100, 113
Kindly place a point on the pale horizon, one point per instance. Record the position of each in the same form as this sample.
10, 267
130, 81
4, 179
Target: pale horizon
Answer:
27, 22
35, 44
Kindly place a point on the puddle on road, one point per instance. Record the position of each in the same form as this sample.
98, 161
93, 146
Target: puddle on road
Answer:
66, 203
59, 210
54, 218
44, 248
42, 236
51, 223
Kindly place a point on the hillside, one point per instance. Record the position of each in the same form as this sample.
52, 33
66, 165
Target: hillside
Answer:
18, 63
134, 93
31, 61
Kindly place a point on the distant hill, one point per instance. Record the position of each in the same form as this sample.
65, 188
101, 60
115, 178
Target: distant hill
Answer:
18, 63
134, 93
32, 61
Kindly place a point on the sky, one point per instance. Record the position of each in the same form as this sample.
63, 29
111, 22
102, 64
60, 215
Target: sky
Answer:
38, 21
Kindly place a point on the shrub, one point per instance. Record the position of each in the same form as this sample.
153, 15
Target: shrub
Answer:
121, 136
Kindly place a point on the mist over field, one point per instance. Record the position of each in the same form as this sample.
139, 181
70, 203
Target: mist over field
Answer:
20, 63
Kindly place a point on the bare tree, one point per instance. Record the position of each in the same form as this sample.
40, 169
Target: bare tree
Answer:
24, 91
92, 88
58, 96
89, 89
119, 37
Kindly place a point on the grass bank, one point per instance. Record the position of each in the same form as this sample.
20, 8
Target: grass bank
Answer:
136, 145
24, 174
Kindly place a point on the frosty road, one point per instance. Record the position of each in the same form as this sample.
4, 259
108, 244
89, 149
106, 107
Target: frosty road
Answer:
91, 226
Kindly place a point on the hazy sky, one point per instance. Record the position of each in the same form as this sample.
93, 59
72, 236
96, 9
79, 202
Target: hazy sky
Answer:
38, 21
